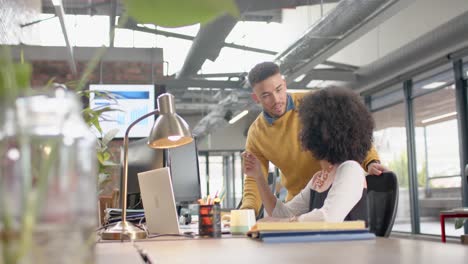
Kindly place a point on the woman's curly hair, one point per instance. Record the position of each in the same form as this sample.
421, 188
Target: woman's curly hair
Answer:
336, 125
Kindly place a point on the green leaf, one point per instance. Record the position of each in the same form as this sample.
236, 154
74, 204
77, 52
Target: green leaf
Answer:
177, 13
108, 163
50, 82
459, 222
14, 77
101, 157
90, 66
23, 74
109, 136
95, 122
103, 178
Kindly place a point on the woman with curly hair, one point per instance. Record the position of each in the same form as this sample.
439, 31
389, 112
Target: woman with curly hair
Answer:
337, 130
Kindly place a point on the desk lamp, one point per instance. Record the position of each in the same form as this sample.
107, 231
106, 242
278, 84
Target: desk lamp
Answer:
169, 131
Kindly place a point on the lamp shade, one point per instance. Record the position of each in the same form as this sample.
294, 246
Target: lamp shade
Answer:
169, 129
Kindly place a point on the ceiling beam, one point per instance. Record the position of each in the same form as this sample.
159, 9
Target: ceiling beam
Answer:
332, 74
220, 75
112, 15
260, 5
133, 26
341, 66
143, 55
184, 83
61, 15
77, 8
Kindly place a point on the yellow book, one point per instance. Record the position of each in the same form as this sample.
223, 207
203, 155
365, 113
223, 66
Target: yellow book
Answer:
307, 226
281, 230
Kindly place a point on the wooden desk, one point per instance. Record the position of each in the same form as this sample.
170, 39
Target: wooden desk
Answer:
245, 250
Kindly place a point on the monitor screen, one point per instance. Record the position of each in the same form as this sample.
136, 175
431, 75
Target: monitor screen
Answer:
185, 173
141, 158
133, 101
183, 163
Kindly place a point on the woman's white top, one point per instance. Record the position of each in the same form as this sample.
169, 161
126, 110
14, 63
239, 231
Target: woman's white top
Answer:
344, 194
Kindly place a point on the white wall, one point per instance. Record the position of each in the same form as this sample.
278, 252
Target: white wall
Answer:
409, 24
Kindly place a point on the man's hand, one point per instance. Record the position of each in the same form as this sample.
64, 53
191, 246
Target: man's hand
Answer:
376, 168
252, 167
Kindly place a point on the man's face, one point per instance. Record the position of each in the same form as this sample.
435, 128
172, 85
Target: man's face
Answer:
271, 94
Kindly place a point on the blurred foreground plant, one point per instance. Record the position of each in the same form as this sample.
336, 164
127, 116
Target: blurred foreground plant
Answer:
16, 241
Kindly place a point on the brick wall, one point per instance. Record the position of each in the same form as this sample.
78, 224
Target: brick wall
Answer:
107, 72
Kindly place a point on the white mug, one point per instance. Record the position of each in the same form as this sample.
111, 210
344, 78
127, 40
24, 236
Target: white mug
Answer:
242, 221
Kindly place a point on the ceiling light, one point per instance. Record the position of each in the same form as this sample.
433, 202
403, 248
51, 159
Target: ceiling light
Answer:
300, 77
239, 116
433, 85
314, 83
438, 117
194, 88
298, 90
57, 2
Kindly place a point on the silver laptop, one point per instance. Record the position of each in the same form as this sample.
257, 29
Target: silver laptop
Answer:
158, 201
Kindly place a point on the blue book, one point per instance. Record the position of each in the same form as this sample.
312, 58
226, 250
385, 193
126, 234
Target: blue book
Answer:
318, 237
279, 232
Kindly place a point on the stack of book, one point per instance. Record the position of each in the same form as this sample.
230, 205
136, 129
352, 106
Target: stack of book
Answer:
282, 232
113, 215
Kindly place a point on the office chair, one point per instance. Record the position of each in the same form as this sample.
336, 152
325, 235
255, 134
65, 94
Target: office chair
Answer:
382, 202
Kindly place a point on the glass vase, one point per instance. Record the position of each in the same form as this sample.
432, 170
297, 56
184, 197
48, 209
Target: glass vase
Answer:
55, 179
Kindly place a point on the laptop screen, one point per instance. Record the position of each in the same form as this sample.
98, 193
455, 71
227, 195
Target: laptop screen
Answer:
158, 201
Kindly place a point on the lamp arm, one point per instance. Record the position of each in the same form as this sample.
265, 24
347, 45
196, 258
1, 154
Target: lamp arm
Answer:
125, 172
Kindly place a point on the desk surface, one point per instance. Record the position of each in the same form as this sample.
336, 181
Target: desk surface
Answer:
117, 253
245, 250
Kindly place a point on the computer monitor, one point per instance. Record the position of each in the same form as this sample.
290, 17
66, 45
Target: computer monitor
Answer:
185, 172
141, 158
132, 101
183, 162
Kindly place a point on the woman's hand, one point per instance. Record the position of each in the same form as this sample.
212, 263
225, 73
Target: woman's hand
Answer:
252, 166
376, 168
276, 219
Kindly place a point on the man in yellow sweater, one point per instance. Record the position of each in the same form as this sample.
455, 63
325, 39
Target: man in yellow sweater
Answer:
274, 137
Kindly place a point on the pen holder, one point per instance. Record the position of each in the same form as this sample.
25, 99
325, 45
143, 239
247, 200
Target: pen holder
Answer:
209, 220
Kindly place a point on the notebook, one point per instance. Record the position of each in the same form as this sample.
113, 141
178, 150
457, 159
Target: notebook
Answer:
158, 201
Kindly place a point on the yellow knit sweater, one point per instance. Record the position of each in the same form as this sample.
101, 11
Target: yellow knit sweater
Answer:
279, 143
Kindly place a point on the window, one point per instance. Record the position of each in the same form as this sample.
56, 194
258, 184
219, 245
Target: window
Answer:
387, 97
437, 152
390, 142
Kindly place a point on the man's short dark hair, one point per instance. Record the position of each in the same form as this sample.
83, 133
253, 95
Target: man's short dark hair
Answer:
336, 125
262, 71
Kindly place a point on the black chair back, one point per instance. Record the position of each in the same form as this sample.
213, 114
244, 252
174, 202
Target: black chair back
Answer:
382, 201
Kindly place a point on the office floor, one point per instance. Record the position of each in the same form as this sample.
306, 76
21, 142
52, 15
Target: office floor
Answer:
431, 227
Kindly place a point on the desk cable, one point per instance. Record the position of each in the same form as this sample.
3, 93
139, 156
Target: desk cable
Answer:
144, 256
148, 235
